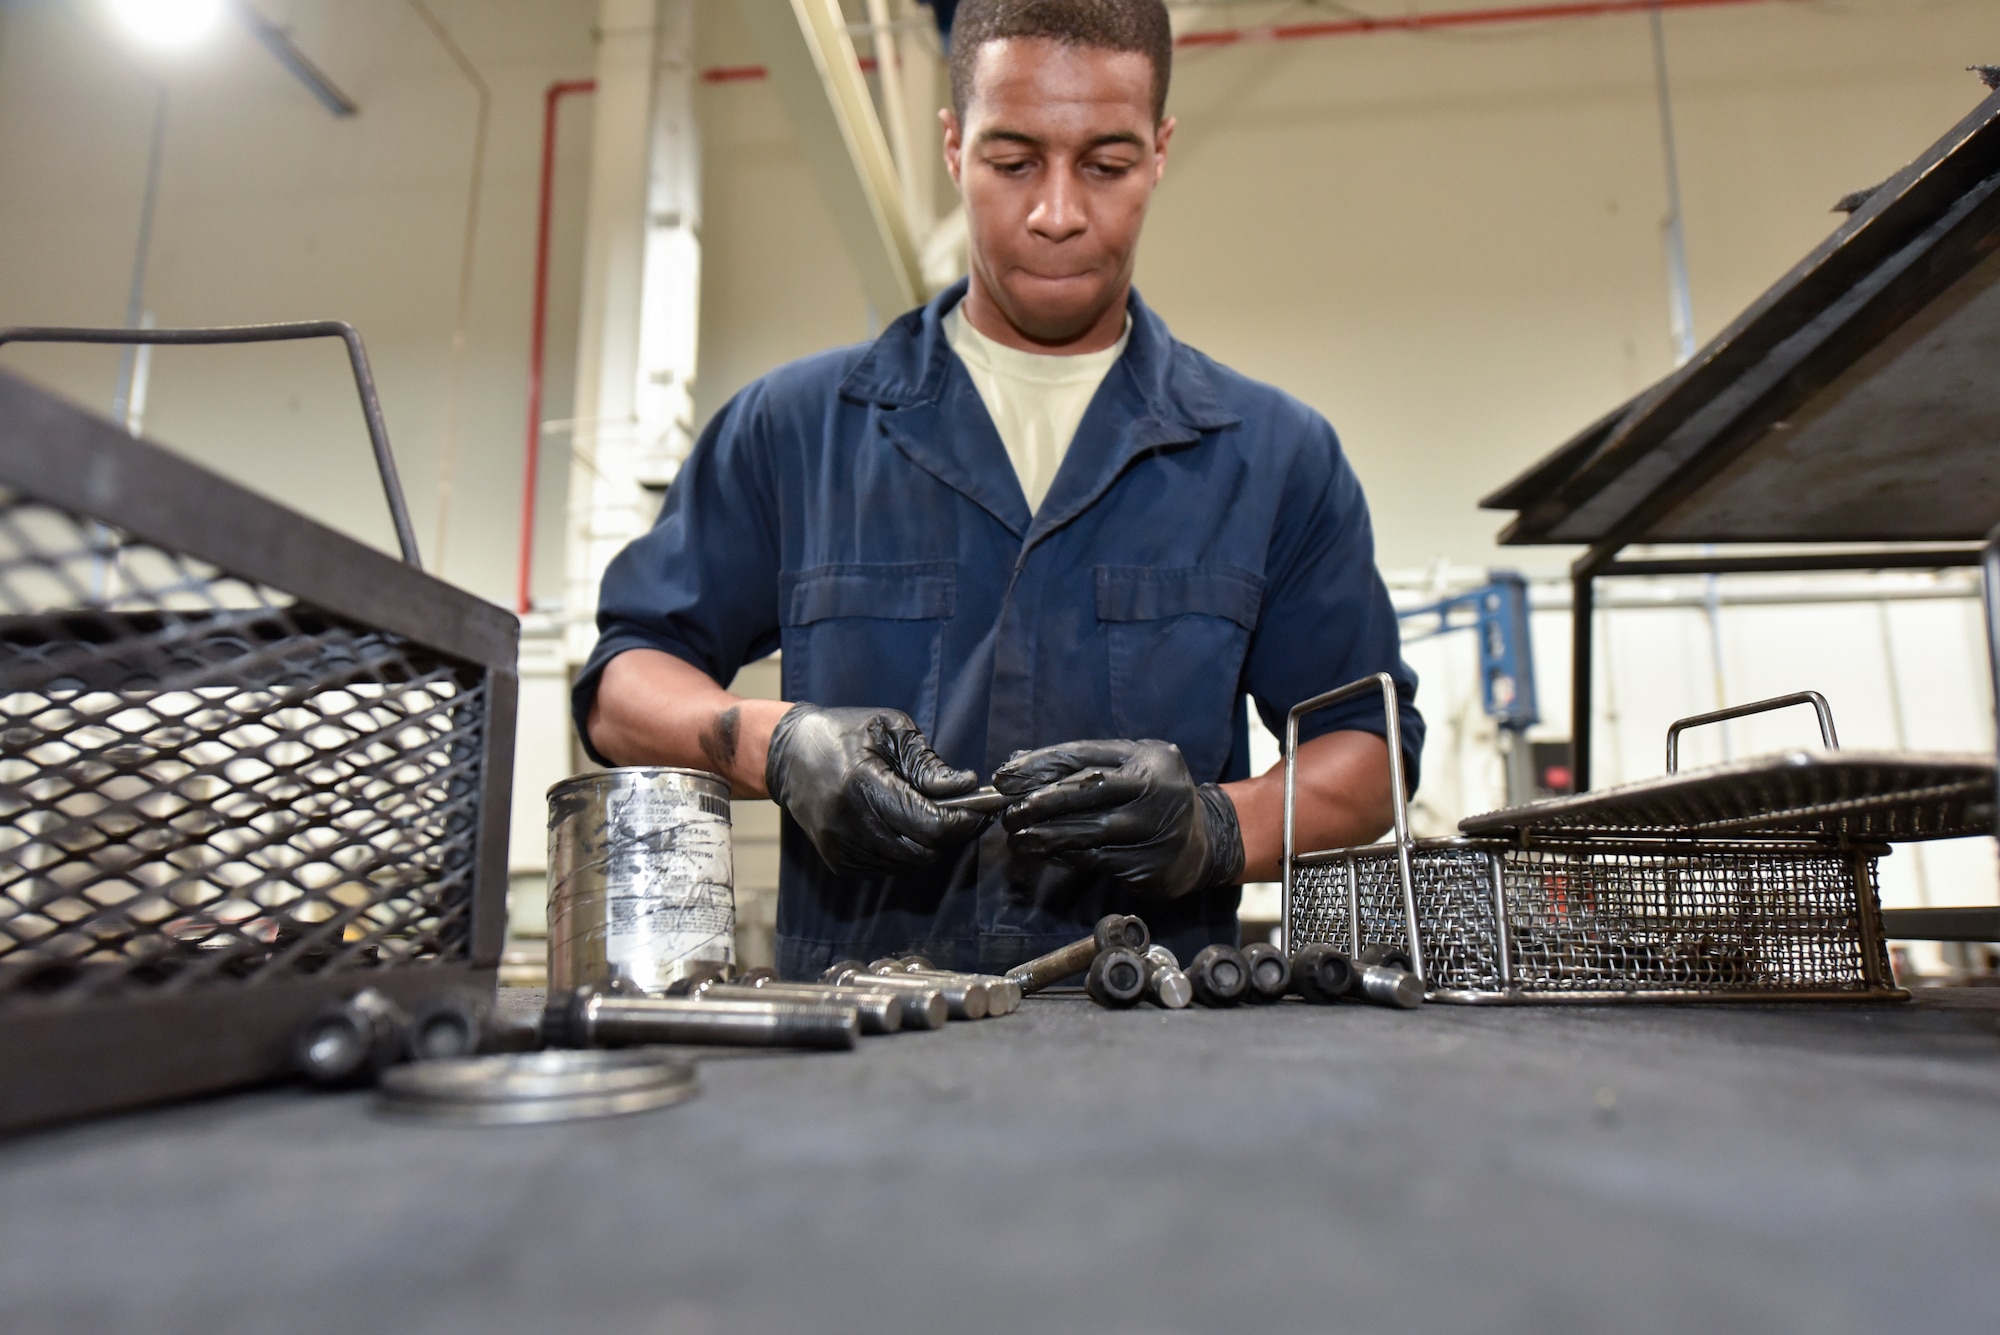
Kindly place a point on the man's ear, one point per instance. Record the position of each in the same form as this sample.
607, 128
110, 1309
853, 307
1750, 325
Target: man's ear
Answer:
952, 145
1160, 138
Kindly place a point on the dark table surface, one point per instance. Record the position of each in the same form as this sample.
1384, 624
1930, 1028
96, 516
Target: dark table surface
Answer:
1686, 1169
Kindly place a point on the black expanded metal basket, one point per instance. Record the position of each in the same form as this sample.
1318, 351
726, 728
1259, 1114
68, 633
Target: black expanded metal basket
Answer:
246, 764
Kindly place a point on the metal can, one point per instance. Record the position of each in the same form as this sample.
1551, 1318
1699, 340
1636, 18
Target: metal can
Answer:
641, 878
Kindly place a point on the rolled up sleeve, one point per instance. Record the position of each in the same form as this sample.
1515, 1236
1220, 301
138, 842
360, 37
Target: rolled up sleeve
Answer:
1326, 618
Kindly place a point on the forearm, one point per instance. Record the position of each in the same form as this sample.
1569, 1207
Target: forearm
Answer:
1342, 800
655, 709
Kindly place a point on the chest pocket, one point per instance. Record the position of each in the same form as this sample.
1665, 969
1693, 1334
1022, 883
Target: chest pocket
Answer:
1175, 639
868, 634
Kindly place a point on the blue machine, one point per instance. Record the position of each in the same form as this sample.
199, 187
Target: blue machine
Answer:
1498, 612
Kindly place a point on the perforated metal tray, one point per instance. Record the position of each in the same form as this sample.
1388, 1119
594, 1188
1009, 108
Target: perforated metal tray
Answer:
1855, 795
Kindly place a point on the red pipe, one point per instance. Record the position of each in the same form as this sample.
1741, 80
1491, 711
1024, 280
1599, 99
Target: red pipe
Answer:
537, 336
1361, 26
751, 73
1450, 18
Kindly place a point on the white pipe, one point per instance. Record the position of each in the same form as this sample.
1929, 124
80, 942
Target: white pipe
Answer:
447, 461
1680, 299
135, 298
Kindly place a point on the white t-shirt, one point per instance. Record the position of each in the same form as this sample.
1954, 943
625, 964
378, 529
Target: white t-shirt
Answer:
1035, 400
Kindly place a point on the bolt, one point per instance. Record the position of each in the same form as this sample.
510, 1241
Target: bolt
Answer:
923, 1008
513, 1031
449, 1024
880, 1012
1270, 973
1321, 974
1394, 956
1003, 995
587, 1018
1113, 929
964, 1000
1392, 987
351, 1042
695, 979
1166, 986
1219, 976
1117, 978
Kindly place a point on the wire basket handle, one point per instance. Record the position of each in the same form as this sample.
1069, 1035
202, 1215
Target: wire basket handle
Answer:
1813, 698
1398, 797
357, 357
1990, 582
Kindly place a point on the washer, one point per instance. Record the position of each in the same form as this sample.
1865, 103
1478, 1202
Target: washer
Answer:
520, 1088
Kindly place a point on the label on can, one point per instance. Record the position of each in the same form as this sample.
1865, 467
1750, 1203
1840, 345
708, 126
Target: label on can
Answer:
669, 873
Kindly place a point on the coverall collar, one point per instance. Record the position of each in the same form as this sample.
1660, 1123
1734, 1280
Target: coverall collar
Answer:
907, 365
1158, 395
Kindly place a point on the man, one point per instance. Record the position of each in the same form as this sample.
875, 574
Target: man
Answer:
1023, 520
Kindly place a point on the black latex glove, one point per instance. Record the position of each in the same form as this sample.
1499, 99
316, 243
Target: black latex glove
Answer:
860, 782
1129, 811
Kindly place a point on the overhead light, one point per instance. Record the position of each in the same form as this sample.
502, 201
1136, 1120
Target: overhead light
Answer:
170, 23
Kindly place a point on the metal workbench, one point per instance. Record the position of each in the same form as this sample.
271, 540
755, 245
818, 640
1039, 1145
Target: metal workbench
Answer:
1849, 419
1068, 1169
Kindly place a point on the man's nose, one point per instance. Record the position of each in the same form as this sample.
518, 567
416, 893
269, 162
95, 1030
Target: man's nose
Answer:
1058, 214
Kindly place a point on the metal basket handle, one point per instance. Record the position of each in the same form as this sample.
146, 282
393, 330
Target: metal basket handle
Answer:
1398, 799
357, 357
1990, 590
1813, 698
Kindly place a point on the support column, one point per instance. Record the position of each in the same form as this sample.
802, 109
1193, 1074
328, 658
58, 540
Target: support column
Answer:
1583, 626
636, 345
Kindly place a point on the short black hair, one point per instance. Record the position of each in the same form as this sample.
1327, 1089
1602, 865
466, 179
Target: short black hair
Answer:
1138, 26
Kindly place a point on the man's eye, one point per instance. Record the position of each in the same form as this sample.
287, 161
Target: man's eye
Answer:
1009, 166
1108, 170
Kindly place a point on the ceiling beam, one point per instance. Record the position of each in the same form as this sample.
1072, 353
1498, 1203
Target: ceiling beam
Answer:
811, 60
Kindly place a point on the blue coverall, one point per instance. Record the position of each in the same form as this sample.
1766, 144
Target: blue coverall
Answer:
1204, 538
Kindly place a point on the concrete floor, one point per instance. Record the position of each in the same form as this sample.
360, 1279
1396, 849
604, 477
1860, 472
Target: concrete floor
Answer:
1067, 1169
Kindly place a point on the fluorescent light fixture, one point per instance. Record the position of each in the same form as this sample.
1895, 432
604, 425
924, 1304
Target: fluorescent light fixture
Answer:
169, 23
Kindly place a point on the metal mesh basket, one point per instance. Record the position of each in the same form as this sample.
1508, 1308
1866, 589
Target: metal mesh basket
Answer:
1595, 918
245, 764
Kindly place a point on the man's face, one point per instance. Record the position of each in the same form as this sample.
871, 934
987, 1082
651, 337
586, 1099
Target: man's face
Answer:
1056, 161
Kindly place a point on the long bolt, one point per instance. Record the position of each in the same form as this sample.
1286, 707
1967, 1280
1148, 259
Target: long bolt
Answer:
923, 1007
1166, 986
963, 1000
587, 1018
1113, 929
881, 1011
1003, 995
